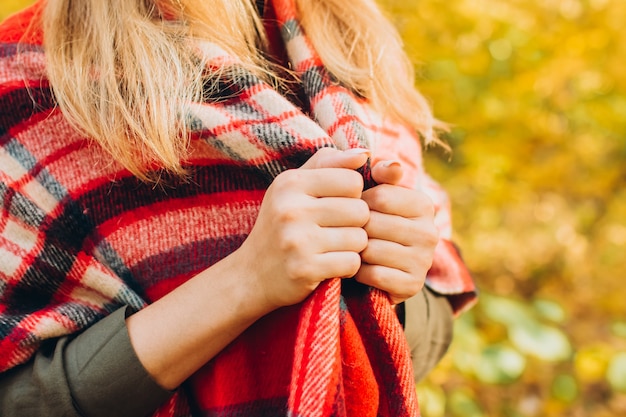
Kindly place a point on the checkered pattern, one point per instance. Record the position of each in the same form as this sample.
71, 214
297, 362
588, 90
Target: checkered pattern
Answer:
80, 237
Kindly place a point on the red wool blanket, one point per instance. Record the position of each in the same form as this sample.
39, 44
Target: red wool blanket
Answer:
80, 237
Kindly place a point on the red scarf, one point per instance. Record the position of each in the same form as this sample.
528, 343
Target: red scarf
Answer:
341, 352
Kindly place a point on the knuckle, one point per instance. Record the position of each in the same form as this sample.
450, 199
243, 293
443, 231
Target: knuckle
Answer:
372, 277
319, 158
326, 151
410, 289
368, 253
425, 205
420, 267
379, 199
285, 213
416, 285
361, 212
289, 210
289, 242
362, 239
352, 264
354, 181
423, 234
289, 179
296, 270
431, 235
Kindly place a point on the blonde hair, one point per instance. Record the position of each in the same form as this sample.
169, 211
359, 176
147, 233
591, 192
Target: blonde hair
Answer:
123, 71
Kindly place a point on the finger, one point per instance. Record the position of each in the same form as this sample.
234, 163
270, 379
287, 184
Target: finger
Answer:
322, 182
334, 158
387, 172
405, 231
390, 254
340, 212
398, 284
400, 201
342, 239
336, 264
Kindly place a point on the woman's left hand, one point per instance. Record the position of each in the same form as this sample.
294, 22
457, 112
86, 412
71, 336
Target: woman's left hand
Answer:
402, 235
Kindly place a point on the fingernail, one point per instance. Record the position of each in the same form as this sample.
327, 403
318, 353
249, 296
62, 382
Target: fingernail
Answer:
357, 151
391, 163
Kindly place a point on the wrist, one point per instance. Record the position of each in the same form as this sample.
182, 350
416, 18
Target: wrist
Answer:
247, 297
215, 306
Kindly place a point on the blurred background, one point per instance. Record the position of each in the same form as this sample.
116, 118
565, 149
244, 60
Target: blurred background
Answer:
536, 95
535, 92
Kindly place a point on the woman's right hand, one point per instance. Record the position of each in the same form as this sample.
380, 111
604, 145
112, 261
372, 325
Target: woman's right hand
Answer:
309, 228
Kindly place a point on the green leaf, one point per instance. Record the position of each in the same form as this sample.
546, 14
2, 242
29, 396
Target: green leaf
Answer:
565, 388
467, 345
463, 404
619, 328
505, 310
432, 400
499, 364
549, 310
616, 373
544, 342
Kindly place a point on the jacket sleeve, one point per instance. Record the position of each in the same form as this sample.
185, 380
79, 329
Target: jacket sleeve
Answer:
64, 346
428, 324
95, 374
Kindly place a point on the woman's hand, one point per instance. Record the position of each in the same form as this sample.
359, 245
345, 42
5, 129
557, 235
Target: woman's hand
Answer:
402, 235
309, 228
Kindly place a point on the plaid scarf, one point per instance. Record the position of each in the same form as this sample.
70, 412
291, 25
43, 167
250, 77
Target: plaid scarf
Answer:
78, 242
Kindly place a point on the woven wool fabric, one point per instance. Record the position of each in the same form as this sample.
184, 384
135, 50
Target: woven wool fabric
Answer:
80, 237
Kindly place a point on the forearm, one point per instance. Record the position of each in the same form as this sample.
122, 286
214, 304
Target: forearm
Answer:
179, 333
95, 374
124, 366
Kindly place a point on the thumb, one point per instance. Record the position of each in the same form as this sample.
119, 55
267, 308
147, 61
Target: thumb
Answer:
387, 172
334, 158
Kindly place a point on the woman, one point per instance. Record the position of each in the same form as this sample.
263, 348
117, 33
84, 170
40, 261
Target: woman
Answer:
183, 192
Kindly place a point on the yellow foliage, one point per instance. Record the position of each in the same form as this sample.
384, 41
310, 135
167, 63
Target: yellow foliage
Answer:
535, 91
11, 6
591, 363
